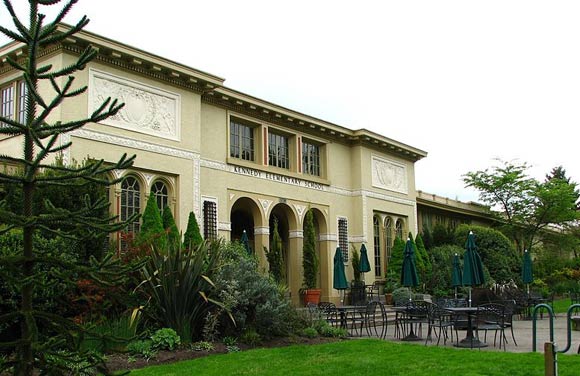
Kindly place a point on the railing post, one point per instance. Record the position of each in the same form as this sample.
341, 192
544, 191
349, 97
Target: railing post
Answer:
550, 359
551, 314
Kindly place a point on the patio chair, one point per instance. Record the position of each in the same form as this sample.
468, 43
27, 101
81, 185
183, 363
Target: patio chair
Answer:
418, 313
376, 315
491, 317
330, 313
441, 320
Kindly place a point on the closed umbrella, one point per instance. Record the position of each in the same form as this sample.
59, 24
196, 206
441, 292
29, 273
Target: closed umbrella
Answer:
364, 266
339, 282
472, 266
246, 242
527, 271
456, 274
409, 276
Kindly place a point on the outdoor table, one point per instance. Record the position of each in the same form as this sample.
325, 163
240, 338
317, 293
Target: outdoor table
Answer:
470, 340
407, 312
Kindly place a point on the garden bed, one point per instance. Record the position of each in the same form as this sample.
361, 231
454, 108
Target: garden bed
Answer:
116, 362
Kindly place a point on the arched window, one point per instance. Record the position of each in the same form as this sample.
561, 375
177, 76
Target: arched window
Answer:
377, 246
388, 237
159, 191
130, 202
399, 229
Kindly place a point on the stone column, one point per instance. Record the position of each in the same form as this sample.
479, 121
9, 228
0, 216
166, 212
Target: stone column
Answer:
261, 240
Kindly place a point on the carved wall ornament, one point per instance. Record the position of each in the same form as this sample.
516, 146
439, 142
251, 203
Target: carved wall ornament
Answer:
265, 204
300, 209
147, 109
389, 175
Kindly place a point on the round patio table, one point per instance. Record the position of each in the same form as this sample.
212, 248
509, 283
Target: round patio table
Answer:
470, 340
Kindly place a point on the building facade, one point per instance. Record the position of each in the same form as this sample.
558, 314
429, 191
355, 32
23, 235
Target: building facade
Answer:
238, 162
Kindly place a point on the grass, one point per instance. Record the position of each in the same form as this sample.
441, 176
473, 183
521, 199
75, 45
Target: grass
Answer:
562, 305
366, 357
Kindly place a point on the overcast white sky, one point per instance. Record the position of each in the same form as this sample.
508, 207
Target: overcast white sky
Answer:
466, 81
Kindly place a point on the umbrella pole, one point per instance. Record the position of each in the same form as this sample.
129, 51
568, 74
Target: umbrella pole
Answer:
528, 290
455, 293
470, 296
341, 298
410, 295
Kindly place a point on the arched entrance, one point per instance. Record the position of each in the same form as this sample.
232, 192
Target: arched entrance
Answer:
244, 215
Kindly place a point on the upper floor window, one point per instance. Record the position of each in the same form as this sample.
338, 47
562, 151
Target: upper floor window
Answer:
241, 141
343, 237
310, 159
159, 191
13, 101
278, 152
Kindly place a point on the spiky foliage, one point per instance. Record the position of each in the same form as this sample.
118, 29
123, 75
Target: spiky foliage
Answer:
173, 236
309, 257
44, 335
192, 237
178, 283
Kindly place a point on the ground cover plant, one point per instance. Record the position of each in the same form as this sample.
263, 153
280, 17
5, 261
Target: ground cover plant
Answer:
366, 357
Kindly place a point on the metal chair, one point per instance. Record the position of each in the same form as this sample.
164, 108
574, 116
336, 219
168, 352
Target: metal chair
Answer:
491, 316
375, 315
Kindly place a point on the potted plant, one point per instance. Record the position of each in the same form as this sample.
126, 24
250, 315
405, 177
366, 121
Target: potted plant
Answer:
310, 292
391, 283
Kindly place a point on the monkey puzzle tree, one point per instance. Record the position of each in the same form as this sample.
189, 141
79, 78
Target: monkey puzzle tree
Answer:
44, 335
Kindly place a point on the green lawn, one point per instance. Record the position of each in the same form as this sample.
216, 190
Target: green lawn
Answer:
562, 305
366, 357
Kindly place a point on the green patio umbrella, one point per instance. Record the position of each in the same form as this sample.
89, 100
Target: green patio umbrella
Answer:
339, 282
472, 266
527, 272
246, 242
409, 277
364, 266
456, 274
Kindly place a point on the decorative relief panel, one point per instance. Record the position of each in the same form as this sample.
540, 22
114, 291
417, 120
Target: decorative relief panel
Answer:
147, 109
265, 204
300, 210
389, 175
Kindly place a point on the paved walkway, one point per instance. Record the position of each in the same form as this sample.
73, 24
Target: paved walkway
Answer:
523, 334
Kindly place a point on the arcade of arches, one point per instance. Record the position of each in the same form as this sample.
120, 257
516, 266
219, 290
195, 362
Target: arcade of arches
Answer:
257, 216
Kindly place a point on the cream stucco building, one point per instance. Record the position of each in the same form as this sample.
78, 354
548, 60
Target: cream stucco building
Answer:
238, 162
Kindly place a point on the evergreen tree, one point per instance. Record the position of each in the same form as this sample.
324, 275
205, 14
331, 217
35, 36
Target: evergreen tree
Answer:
152, 231
427, 238
192, 237
170, 227
45, 336
425, 272
396, 262
309, 257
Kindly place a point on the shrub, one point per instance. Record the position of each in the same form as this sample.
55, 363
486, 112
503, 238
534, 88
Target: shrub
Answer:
442, 265
165, 339
497, 253
142, 348
152, 232
401, 296
202, 346
309, 259
309, 332
254, 299
192, 237
173, 236
251, 338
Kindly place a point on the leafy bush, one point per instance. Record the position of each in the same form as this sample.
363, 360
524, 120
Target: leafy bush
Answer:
202, 346
229, 341
142, 348
401, 296
165, 339
251, 337
112, 334
254, 299
326, 330
309, 332
497, 252
442, 265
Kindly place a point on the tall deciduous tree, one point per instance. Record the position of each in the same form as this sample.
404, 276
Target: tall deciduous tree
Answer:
527, 206
42, 333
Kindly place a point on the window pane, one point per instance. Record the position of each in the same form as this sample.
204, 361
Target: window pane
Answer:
22, 102
310, 159
7, 104
159, 191
377, 246
241, 141
130, 202
278, 153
